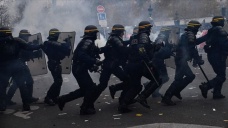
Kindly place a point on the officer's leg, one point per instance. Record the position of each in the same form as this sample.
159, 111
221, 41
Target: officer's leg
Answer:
189, 77
104, 78
55, 88
161, 67
4, 81
122, 75
153, 75
179, 74
30, 83
87, 84
62, 100
135, 73
11, 92
219, 67
19, 75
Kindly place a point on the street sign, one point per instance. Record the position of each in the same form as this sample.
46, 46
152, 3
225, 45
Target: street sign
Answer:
100, 8
101, 16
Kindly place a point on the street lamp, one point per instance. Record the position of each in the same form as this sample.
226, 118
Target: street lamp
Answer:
176, 19
150, 9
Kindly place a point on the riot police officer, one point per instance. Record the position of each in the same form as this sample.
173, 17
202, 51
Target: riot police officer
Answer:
24, 56
12, 66
185, 51
216, 48
115, 59
118, 87
86, 58
55, 52
144, 50
163, 50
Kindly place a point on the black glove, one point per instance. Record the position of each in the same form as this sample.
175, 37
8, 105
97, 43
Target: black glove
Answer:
98, 62
94, 68
198, 61
150, 63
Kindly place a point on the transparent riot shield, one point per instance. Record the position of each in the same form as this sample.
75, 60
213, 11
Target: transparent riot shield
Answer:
174, 35
67, 37
37, 62
173, 39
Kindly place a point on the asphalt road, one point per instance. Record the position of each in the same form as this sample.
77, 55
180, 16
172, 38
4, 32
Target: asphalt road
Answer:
193, 109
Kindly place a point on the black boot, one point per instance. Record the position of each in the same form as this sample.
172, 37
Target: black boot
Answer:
62, 100
86, 110
49, 101
2, 106
204, 89
26, 107
112, 91
220, 96
61, 103
142, 100
167, 101
217, 92
123, 108
33, 100
169, 94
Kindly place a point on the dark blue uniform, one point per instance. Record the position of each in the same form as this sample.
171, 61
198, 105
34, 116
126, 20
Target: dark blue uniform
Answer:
12, 66
216, 48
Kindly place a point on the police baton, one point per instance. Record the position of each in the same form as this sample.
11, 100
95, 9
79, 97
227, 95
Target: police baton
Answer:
151, 73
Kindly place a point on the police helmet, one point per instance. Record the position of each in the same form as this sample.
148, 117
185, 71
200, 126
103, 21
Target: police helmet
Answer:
53, 34
218, 21
193, 25
90, 31
145, 26
117, 29
5, 31
24, 33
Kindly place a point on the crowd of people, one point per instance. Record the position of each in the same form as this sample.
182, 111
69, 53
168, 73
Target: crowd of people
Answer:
128, 60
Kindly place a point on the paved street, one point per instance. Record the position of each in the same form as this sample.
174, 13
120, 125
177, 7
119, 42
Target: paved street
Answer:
192, 112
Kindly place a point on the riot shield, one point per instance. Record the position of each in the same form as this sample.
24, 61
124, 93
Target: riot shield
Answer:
226, 26
67, 37
173, 39
37, 62
174, 35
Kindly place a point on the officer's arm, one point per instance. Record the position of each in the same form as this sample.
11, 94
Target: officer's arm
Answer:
119, 46
222, 38
82, 53
191, 39
201, 39
24, 45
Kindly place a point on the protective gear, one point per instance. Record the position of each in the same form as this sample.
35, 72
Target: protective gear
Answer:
85, 57
218, 21
24, 34
185, 51
145, 26
5, 32
54, 64
193, 26
90, 32
118, 29
53, 34
12, 66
